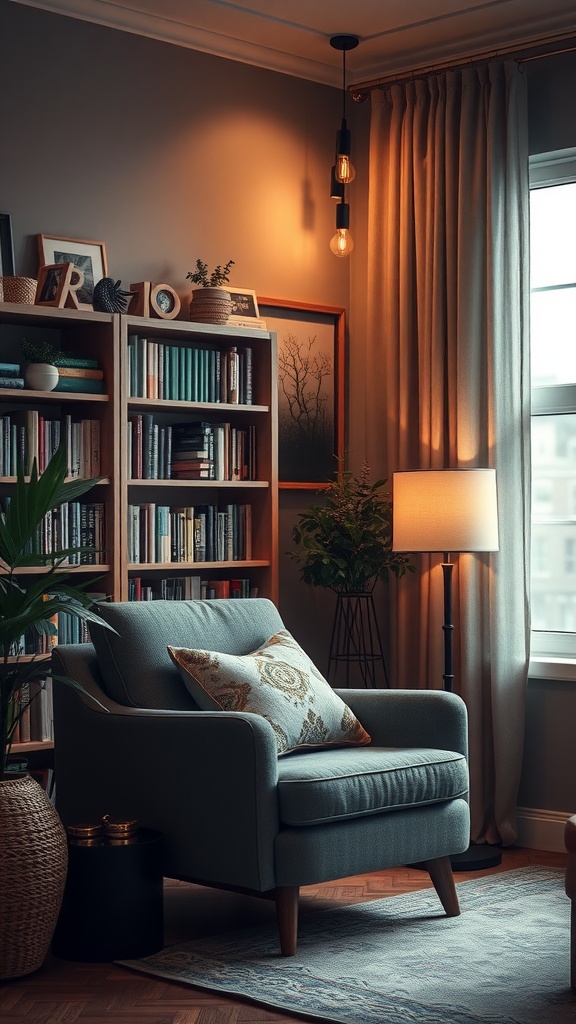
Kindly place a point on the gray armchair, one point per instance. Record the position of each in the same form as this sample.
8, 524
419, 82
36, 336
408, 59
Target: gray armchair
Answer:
233, 814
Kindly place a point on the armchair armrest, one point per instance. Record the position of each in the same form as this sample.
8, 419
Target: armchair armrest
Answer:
411, 718
206, 780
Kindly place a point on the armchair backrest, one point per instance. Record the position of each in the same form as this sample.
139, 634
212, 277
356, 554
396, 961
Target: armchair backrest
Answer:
134, 663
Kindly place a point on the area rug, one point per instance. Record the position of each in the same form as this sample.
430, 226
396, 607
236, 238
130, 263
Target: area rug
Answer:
399, 960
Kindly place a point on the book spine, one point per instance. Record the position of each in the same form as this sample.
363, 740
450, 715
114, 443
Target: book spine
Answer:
80, 384
82, 372
77, 362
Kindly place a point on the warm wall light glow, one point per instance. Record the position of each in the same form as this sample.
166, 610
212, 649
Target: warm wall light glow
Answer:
445, 510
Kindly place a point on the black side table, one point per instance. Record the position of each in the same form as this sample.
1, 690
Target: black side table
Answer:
113, 906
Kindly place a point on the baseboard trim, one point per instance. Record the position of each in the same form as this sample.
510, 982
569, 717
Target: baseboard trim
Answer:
542, 830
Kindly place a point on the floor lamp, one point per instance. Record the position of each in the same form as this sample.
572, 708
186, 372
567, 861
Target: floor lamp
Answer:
448, 511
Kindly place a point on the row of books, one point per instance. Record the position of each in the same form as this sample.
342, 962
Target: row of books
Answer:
189, 373
36, 722
190, 451
74, 524
25, 436
188, 588
158, 534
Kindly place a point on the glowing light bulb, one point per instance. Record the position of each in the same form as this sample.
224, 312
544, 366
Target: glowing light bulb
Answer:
345, 171
341, 243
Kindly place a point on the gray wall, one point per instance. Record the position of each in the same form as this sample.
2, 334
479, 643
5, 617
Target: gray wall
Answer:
166, 154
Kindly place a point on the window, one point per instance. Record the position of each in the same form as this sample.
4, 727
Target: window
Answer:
553, 358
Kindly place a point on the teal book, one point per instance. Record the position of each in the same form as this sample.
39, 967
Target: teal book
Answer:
81, 385
195, 364
78, 362
9, 369
187, 353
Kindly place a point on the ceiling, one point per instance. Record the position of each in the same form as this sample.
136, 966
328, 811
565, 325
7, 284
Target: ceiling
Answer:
292, 36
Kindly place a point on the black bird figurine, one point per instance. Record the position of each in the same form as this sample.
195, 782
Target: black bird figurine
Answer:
108, 296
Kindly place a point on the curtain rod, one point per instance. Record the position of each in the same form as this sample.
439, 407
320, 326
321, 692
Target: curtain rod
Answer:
550, 47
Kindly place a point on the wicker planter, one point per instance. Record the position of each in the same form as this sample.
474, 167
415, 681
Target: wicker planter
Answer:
210, 305
33, 862
18, 289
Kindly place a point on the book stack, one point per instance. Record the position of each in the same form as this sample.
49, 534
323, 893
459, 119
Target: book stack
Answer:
10, 376
76, 374
213, 451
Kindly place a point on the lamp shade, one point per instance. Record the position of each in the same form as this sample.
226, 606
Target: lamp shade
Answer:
445, 510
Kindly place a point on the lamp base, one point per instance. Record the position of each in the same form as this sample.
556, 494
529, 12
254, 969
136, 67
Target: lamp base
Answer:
477, 857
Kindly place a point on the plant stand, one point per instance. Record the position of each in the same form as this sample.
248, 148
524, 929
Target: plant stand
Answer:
355, 642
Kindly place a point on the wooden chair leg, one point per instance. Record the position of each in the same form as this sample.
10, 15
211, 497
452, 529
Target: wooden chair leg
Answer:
440, 871
286, 899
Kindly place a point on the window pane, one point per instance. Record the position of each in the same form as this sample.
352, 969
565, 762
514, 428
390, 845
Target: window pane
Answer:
553, 336
553, 577
552, 234
553, 467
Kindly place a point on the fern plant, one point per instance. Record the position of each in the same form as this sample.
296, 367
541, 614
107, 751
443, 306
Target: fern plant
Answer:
219, 277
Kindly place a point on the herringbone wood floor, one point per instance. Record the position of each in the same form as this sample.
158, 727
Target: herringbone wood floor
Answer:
63, 992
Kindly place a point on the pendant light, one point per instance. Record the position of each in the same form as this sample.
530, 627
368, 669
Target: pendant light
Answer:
341, 243
342, 172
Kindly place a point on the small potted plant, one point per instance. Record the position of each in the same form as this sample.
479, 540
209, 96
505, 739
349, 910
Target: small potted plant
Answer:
33, 851
211, 302
41, 373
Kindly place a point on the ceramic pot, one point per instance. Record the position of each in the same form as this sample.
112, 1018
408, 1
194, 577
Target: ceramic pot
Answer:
33, 863
41, 376
210, 305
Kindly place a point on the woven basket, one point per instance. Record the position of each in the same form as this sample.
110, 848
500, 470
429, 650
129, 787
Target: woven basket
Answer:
210, 305
33, 863
18, 289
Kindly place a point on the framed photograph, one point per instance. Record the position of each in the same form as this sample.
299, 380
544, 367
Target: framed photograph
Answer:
244, 305
311, 361
89, 257
6, 246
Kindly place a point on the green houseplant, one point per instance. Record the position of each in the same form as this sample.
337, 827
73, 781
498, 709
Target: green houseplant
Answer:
211, 302
40, 374
345, 544
33, 851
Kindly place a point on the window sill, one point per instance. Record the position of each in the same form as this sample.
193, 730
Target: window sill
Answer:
545, 667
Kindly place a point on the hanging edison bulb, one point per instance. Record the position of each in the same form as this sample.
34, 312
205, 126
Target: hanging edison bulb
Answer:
341, 243
344, 171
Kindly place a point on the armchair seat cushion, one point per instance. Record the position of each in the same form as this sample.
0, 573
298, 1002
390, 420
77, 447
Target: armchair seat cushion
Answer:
332, 785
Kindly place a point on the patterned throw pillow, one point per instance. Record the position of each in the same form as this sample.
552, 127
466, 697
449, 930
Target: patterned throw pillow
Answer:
279, 682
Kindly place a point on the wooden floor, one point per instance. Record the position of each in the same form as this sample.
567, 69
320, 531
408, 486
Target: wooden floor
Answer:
63, 992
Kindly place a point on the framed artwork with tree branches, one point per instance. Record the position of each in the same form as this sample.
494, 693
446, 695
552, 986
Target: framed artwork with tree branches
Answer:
311, 361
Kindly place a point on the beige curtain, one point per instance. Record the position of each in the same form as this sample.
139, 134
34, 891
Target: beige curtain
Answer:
448, 384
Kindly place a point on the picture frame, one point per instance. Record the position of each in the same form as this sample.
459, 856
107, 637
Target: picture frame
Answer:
311, 390
244, 305
89, 257
57, 287
6, 246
